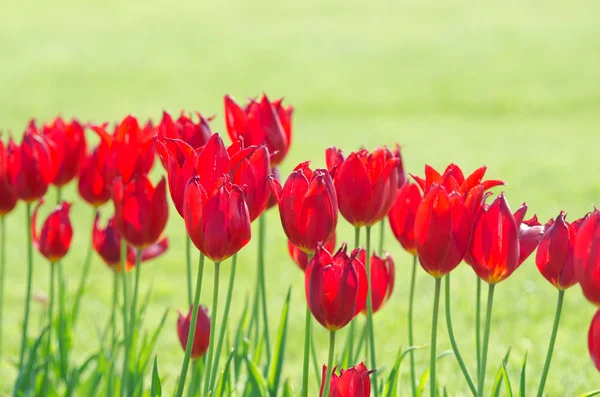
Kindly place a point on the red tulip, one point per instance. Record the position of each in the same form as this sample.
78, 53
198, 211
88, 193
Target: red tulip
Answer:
250, 167
8, 195
216, 220
365, 184
335, 292
402, 216
194, 134
554, 258
401, 173
69, 141
453, 179
260, 122
272, 202
587, 257
107, 243
202, 335
382, 278
442, 231
131, 148
308, 206
594, 340
141, 210
54, 240
300, 257
94, 183
353, 382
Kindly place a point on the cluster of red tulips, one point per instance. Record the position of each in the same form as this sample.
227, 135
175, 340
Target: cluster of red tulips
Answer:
441, 219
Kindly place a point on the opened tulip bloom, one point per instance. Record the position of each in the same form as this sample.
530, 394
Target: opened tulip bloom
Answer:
352, 382
382, 278
300, 257
402, 216
195, 134
202, 334
54, 239
69, 141
8, 195
587, 258
453, 179
95, 183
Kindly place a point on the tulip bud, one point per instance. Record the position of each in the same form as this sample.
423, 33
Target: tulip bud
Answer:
587, 257
382, 278
54, 240
94, 183
69, 140
353, 382
202, 335
402, 216
8, 195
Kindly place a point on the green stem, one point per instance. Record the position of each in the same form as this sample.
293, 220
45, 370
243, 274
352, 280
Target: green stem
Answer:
434, 322
486, 338
188, 257
132, 346
313, 354
261, 273
124, 377
457, 354
29, 281
58, 195
2, 272
352, 331
326, 390
381, 235
478, 324
371, 330
113, 327
192, 332
84, 276
411, 342
50, 314
361, 339
307, 343
561, 295
62, 326
213, 328
215, 368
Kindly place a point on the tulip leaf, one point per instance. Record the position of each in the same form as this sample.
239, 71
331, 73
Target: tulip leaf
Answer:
279, 353
257, 383
591, 393
507, 384
26, 378
425, 376
500, 375
155, 388
287, 389
523, 379
239, 348
224, 377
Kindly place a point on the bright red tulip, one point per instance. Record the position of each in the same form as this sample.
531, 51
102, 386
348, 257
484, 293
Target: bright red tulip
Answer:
250, 167
300, 257
94, 184
8, 195
260, 122
442, 231
107, 243
402, 180
216, 220
453, 179
272, 202
202, 335
69, 140
594, 340
141, 210
402, 216
353, 382
54, 240
335, 292
308, 206
587, 258
194, 134
382, 278
131, 148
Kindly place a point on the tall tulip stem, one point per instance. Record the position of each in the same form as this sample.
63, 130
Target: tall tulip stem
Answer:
84, 276
411, 342
561, 295
124, 377
486, 339
434, 322
62, 322
307, 343
188, 258
2, 272
50, 314
478, 323
192, 331
132, 347
381, 235
213, 328
326, 391
262, 226
352, 330
29, 281
457, 354
371, 330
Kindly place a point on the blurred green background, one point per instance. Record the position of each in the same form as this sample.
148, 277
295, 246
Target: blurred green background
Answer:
509, 84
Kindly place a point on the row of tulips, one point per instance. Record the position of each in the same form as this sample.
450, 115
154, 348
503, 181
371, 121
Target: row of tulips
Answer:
442, 219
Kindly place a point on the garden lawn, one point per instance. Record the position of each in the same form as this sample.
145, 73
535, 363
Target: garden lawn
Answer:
512, 85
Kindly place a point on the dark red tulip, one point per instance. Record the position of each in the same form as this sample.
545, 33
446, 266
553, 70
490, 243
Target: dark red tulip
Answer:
382, 278
365, 184
250, 167
260, 122
308, 206
131, 148
107, 243
69, 140
353, 382
300, 257
401, 173
54, 240
272, 202
554, 258
217, 220
594, 340
141, 210
453, 179
8, 195
402, 216
94, 184
202, 335
335, 292
442, 231
587, 257
194, 134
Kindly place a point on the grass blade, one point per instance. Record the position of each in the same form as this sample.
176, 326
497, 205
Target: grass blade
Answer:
279, 353
155, 388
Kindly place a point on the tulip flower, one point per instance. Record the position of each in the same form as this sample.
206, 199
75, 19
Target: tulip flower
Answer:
300, 257
194, 134
260, 122
308, 206
141, 210
54, 239
365, 184
594, 340
69, 140
453, 179
382, 278
202, 332
353, 382
94, 184
272, 202
402, 216
587, 258
401, 173
8, 195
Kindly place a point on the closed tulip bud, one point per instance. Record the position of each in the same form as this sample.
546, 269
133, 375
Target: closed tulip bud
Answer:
308, 206
402, 216
8, 195
587, 257
300, 257
365, 184
402, 180
69, 140
442, 231
382, 278
202, 335
217, 220
141, 210
94, 183
353, 382
275, 174
54, 240
335, 290
194, 134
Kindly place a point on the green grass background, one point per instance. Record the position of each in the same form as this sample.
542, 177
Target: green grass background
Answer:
509, 84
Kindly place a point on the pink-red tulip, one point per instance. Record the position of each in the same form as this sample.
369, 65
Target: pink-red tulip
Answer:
402, 216
194, 134
382, 278
587, 257
353, 382
300, 257
8, 195
202, 335
69, 140
54, 240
